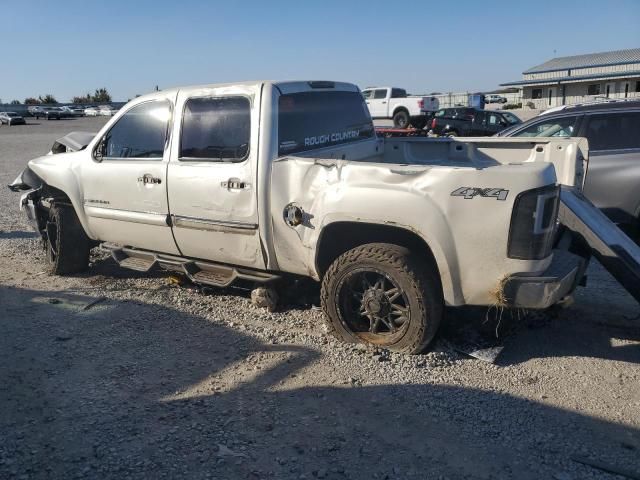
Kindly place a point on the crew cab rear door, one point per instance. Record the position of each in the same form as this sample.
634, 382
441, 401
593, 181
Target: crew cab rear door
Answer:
212, 175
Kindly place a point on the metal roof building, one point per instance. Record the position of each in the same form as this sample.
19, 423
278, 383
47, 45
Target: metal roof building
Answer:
581, 78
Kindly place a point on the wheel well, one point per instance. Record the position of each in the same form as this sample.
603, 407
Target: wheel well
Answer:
400, 109
54, 194
339, 237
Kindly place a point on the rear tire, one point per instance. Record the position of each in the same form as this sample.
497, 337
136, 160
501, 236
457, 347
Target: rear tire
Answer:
382, 294
67, 244
451, 134
401, 119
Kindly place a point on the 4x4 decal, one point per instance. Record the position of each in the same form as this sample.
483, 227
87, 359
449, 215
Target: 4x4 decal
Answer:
471, 192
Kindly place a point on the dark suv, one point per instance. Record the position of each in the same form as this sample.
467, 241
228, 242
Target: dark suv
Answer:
613, 172
470, 122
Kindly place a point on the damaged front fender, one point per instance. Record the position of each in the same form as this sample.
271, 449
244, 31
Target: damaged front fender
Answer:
27, 180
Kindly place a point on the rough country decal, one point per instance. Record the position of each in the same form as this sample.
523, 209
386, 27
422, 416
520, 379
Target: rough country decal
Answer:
331, 137
471, 192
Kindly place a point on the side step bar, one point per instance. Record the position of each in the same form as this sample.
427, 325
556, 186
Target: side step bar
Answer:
198, 271
614, 250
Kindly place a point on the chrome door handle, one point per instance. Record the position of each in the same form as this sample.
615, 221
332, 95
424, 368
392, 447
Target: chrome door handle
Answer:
235, 184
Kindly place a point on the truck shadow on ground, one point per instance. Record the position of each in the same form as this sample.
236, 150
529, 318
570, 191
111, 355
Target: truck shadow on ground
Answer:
132, 389
524, 337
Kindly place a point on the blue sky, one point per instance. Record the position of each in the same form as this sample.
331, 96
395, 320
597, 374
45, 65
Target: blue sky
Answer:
69, 47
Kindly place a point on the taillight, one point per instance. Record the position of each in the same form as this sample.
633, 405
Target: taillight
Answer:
420, 104
533, 223
433, 123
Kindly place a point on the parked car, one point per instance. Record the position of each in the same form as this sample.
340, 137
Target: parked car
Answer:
470, 122
91, 111
11, 118
371, 219
613, 172
55, 113
73, 110
36, 111
394, 103
107, 111
493, 98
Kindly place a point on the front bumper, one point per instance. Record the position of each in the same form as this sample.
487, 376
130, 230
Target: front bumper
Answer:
539, 292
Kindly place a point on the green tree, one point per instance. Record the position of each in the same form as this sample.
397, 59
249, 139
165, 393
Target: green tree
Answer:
31, 101
48, 98
15, 102
82, 99
101, 95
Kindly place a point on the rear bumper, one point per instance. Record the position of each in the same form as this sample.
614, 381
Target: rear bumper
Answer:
539, 292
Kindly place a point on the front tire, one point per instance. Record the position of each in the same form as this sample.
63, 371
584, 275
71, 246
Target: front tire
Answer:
382, 294
67, 244
401, 119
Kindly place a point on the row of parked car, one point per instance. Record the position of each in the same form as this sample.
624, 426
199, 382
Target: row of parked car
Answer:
70, 111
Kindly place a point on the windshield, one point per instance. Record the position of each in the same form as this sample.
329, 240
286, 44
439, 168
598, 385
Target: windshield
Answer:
511, 118
12, 114
312, 120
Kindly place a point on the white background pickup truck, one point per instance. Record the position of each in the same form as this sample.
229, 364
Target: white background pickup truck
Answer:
265, 182
393, 103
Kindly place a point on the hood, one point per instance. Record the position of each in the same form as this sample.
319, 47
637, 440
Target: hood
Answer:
73, 142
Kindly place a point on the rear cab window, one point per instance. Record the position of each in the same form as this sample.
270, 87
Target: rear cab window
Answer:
312, 120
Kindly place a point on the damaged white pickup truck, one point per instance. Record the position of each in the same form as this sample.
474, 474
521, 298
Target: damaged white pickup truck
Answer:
265, 180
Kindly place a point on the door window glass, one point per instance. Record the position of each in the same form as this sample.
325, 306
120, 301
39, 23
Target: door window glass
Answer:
493, 119
559, 127
377, 94
216, 129
367, 94
613, 131
140, 133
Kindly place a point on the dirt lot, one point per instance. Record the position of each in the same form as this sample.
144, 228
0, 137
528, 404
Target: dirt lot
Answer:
156, 380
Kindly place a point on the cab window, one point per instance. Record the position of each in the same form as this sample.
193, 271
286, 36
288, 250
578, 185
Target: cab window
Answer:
140, 133
558, 127
313, 120
614, 131
493, 119
378, 94
215, 129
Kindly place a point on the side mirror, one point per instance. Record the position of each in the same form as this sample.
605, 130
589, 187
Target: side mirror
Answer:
100, 150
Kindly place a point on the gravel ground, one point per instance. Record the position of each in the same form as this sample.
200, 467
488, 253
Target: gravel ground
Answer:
158, 380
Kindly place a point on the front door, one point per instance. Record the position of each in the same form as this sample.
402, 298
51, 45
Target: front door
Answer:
212, 175
125, 197
378, 103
